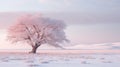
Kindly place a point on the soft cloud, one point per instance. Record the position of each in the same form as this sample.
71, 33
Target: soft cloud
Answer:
72, 11
86, 17
69, 18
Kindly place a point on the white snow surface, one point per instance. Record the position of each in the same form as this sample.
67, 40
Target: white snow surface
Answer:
58, 60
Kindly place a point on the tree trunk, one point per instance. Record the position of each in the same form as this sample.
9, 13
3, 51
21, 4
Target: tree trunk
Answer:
34, 49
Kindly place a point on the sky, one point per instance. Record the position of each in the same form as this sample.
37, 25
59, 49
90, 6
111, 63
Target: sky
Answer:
91, 24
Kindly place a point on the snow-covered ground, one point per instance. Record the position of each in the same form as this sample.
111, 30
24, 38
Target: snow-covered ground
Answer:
58, 60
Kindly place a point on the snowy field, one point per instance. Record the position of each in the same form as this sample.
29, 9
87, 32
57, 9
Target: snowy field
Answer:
58, 60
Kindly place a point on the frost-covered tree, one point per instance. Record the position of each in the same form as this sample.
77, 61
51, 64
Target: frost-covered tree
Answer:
37, 30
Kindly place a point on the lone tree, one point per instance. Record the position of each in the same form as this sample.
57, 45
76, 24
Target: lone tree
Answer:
37, 30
